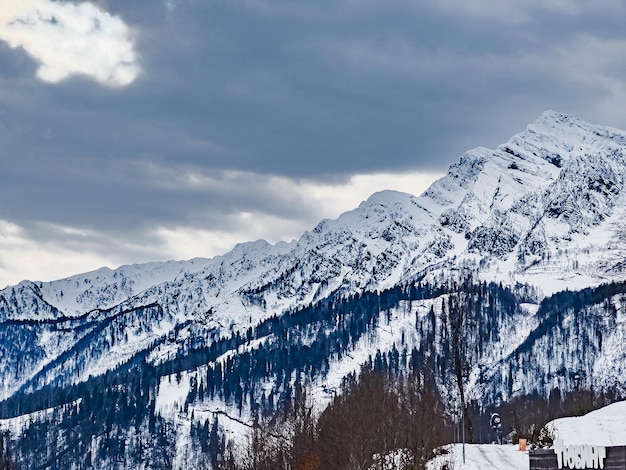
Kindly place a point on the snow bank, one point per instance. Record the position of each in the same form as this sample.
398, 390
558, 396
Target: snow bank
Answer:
481, 457
603, 427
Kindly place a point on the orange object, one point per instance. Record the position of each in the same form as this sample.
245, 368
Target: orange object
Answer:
522, 445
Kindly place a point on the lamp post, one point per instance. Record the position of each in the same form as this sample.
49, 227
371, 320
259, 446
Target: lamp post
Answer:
463, 412
496, 424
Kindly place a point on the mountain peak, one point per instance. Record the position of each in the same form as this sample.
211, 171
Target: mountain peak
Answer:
569, 128
385, 196
555, 116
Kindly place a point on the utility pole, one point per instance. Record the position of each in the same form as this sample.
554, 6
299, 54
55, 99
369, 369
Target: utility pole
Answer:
463, 411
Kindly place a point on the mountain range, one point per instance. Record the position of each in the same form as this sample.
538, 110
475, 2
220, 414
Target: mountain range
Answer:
521, 248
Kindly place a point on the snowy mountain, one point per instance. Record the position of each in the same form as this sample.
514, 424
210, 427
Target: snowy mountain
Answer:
544, 209
504, 229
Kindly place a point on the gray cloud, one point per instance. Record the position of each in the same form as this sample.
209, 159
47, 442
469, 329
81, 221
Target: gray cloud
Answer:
234, 94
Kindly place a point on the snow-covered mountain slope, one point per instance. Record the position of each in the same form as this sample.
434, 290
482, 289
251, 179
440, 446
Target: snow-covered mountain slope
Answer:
526, 210
544, 209
387, 282
534, 205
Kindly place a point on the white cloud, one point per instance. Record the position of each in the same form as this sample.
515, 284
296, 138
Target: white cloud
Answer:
22, 258
66, 250
336, 199
314, 200
272, 194
69, 39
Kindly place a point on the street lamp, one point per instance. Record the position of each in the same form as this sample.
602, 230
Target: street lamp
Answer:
496, 424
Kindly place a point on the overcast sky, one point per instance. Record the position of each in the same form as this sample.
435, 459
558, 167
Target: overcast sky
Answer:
145, 130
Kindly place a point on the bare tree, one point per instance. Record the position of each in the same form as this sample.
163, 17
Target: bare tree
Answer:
6, 459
